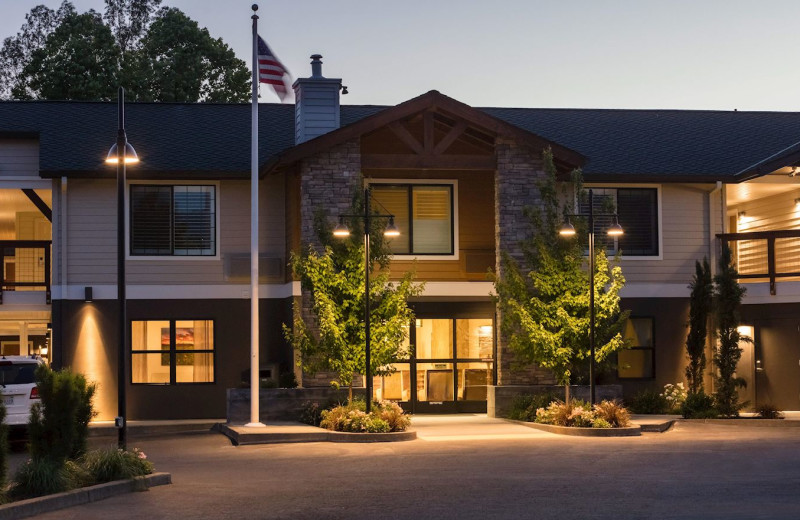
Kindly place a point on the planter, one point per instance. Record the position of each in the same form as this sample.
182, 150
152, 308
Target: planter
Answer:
757, 422
408, 435
629, 431
500, 398
40, 505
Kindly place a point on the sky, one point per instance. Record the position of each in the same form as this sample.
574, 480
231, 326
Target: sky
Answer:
676, 54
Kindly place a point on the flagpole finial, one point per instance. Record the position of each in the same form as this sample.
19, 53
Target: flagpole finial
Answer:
255, 7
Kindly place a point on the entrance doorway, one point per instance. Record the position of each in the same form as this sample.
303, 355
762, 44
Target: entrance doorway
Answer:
449, 368
777, 367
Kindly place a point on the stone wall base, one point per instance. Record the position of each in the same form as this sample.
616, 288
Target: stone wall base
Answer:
500, 398
281, 404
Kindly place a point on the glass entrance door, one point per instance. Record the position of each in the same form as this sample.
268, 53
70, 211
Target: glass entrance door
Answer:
450, 369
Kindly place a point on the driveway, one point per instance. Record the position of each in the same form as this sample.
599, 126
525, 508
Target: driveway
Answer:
472, 467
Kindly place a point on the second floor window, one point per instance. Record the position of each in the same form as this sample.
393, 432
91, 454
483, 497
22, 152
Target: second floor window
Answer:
424, 214
173, 220
637, 209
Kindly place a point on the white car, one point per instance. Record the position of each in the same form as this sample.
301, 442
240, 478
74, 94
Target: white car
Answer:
18, 386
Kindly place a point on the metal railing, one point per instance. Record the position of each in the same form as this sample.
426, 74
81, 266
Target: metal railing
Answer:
765, 255
25, 266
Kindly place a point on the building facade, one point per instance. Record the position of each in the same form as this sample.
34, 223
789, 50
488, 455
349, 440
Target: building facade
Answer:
457, 179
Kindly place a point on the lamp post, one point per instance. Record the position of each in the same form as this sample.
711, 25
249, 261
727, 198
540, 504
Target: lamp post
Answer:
341, 231
568, 230
121, 154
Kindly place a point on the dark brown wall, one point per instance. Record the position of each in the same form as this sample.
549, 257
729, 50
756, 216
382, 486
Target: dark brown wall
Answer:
186, 401
670, 318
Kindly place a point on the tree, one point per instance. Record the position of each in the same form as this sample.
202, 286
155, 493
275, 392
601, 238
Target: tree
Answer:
157, 54
129, 21
727, 304
180, 62
335, 282
79, 60
544, 300
17, 50
699, 312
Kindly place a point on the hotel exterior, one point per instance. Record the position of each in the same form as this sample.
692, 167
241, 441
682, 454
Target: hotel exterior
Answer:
456, 177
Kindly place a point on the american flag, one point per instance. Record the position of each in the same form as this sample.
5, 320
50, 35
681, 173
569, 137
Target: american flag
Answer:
271, 70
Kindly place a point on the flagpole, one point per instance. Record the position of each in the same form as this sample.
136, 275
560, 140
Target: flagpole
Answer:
255, 420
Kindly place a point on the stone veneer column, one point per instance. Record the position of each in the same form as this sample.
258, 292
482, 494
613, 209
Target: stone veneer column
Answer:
327, 181
519, 168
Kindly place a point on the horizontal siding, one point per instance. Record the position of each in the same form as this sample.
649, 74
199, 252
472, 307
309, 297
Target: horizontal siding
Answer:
91, 245
19, 158
685, 236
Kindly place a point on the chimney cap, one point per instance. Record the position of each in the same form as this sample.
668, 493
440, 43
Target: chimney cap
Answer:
316, 66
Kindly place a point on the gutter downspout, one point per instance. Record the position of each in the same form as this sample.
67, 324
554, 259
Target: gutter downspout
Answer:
711, 235
62, 248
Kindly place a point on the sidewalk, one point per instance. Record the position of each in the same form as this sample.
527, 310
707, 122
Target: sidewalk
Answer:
142, 428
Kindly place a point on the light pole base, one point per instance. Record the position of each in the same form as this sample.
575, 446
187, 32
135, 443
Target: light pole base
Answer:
255, 425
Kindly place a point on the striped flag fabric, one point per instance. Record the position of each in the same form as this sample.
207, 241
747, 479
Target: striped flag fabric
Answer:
271, 71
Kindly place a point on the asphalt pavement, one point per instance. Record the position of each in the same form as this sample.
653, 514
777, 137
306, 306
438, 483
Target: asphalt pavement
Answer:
472, 467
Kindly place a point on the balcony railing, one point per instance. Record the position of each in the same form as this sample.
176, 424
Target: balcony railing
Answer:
765, 255
25, 266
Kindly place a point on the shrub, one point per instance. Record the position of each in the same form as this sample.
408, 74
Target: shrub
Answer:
524, 406
699, 406
675, 395
768, 411
59, 422
648, 402
395, 417
599, 422
44, 476
287, 380
385, 417
109, 464
613, 413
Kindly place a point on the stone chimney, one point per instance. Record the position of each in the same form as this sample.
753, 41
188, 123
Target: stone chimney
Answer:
316, 109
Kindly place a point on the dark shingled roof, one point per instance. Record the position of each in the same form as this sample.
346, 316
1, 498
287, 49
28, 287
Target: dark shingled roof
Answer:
214, 138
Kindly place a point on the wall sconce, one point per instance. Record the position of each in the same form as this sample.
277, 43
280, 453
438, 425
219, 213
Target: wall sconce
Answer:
87, 294
797, 202
741, 215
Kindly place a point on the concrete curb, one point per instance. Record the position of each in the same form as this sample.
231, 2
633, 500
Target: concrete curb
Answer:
39, 505
658, 427
149, 428
242, 439
753, 421
630, 431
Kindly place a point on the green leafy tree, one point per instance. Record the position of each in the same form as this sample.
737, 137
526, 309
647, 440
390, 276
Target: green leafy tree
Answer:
179, 61
727, 309
544, 299
335, 281
17, 50
79, 60
699, 311
157, 54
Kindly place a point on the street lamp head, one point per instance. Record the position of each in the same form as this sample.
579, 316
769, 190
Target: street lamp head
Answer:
129, 157
567, 229
341, 230
391, 230
615, 230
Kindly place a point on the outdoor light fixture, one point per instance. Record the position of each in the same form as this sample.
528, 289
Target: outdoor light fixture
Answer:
341, 231
391, 230
129, 157
741, 215
568, 230
121, 154
87, 294
797, 202
615, 230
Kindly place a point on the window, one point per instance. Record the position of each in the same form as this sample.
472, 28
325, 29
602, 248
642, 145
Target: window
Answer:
173, 220
638, 361
424, 214
637, 209
172, 351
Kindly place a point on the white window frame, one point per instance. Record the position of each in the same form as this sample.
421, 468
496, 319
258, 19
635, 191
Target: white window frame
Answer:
422, 182
611, 185
172, 258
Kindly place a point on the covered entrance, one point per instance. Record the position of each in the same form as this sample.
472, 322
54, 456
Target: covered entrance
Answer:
449, 369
